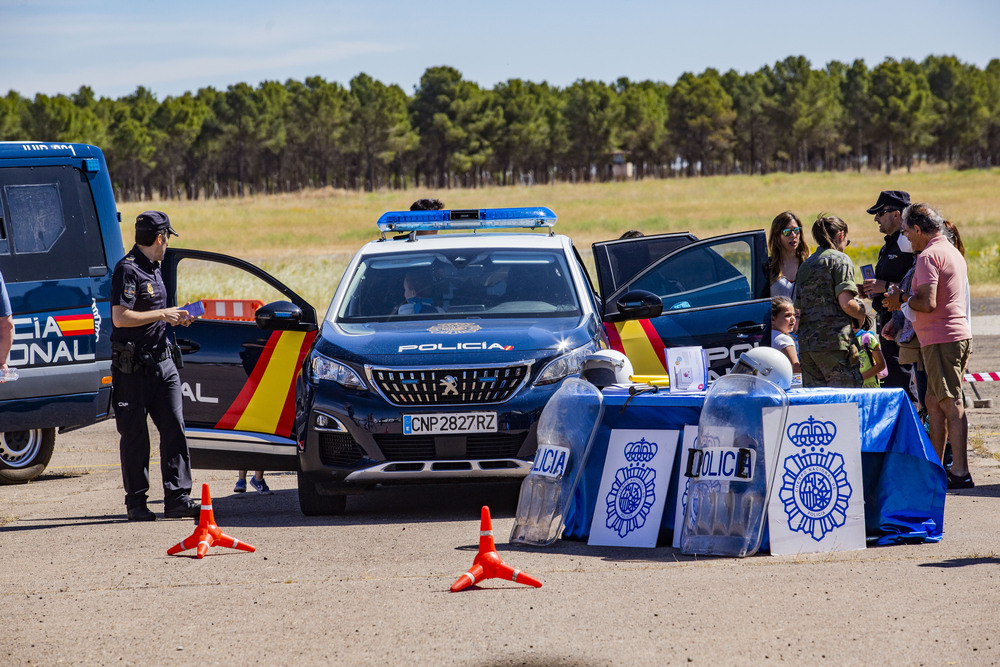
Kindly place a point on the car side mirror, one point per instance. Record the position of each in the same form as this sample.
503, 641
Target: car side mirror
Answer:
279, 316
639, 305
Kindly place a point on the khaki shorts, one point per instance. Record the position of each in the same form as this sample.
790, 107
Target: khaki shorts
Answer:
945, 365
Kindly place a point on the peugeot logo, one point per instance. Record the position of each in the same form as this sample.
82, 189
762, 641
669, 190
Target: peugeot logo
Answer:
449, 383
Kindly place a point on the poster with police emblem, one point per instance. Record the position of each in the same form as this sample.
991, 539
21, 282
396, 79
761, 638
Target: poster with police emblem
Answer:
633, 488
817, 499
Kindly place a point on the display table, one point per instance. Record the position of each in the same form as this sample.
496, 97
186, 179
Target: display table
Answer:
904, 482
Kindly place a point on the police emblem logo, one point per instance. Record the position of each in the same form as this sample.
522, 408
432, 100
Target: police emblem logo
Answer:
633, 491
814, 491
454, 328
149, 289
129, 291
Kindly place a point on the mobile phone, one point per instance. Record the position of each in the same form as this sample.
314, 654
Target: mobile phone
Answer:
868, 272
196, 309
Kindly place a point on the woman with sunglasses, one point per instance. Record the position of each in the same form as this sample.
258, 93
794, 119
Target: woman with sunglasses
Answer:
786, 251
827, 300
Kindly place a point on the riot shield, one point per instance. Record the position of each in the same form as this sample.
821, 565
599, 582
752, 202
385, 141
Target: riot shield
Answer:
732, 468
566, 432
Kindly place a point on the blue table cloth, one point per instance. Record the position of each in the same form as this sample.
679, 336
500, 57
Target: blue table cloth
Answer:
904, 482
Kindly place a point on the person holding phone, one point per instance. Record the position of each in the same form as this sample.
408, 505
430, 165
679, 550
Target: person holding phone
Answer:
890, 268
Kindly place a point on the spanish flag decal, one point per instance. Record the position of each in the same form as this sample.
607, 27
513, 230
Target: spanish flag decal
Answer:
266, 404
639, 341
75, 325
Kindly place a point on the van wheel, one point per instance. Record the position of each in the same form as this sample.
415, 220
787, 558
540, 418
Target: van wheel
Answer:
313, 503
24, 454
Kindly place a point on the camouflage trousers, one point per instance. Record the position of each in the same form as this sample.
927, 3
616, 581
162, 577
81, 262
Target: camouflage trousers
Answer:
831, 368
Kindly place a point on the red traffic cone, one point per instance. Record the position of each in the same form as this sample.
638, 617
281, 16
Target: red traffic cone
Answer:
207, 534
487, 564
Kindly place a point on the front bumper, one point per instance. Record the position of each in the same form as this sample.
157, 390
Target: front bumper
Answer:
362, 440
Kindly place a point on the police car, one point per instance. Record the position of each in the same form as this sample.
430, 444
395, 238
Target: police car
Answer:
443, 342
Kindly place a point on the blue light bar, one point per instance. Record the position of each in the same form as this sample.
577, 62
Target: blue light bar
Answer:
466, 219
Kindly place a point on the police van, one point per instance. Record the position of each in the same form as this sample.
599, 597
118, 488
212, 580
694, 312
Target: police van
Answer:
443, 341
59, 241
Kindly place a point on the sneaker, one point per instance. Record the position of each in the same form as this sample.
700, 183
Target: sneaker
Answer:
261, 487
947, 456
956, 482
241, 486
187, 509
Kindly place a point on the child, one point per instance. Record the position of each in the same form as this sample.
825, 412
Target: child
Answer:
258, 483
782, 325
873, 366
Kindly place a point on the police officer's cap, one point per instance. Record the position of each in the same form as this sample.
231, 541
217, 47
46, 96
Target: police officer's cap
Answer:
896, 200
154, 221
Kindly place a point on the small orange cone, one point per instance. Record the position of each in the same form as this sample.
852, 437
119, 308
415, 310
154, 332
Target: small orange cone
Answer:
207, 534
487, 564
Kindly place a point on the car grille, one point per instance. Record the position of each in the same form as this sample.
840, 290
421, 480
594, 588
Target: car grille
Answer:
339, 449
477, 446
449, 386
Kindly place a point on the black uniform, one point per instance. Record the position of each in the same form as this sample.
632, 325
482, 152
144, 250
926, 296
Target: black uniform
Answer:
146, 382
891, 267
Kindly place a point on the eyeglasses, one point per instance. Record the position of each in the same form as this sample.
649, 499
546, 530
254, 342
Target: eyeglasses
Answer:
884, 212
791, 230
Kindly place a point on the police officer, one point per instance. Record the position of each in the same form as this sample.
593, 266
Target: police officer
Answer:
892, 265
145, 376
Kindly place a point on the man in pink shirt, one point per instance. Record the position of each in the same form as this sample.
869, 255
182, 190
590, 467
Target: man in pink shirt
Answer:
938, 298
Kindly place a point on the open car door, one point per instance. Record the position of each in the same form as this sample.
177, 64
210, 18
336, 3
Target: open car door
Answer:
714, 294
238, 380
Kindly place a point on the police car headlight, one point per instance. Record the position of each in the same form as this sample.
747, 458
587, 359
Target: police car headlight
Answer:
328, 369
568, 364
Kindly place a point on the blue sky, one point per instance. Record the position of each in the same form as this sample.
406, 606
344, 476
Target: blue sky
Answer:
113, 46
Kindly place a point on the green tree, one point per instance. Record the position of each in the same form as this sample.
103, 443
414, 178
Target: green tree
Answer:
13, 111
593, 119
644, 124
318, 131
379, 127
701, 121
179, 121
452, 117
753, 138
901, 110
855, 91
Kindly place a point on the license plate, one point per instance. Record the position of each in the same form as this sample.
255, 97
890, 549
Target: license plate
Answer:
450, 422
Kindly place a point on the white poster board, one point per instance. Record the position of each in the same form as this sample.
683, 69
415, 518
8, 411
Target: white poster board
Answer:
687, 368
633, 488
817, 501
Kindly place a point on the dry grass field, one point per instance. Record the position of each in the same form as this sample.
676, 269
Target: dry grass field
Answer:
307, 238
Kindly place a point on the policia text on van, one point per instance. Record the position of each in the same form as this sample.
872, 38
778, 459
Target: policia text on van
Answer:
59, 238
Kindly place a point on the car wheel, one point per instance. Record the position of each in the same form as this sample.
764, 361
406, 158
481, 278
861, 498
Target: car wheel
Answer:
314, 503
24, 454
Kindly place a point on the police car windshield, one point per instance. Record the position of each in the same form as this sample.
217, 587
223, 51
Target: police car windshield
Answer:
501, 283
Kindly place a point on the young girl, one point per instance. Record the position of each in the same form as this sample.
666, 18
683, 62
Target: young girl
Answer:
782, 325
872, 360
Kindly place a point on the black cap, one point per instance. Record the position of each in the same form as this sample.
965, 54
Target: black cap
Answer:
154, 221
894, 199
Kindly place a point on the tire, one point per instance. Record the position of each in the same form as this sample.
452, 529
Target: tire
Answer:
24, 454
313, 503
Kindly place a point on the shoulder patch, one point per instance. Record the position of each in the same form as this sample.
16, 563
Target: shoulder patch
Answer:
129, 291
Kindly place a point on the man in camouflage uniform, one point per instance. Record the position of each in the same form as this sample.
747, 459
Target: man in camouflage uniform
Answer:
824, 290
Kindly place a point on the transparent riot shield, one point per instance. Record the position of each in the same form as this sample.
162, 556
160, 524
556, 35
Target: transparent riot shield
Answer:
566, 432
732, 468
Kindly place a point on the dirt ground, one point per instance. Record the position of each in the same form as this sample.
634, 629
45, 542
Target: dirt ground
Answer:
80, 585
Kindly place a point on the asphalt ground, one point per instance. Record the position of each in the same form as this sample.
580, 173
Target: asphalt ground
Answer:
81, 585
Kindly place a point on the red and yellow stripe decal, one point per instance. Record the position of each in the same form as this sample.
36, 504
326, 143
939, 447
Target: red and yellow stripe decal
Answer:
638, 340
75, 325
266, 404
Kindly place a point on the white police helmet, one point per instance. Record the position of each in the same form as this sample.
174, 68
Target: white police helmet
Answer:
768, 363
606, 367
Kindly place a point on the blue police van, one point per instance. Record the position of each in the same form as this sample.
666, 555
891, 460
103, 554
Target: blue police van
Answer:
443, 341
59, 241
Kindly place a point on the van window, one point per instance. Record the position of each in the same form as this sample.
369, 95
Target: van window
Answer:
48, 216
